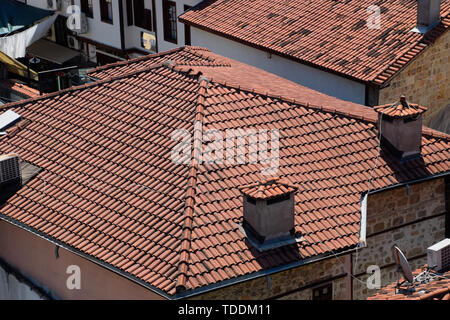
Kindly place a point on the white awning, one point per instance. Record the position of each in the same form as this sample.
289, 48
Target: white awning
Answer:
51, 51
15, 45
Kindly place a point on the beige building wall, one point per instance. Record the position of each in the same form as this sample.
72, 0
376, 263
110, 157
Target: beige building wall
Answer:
36, 258
425, 81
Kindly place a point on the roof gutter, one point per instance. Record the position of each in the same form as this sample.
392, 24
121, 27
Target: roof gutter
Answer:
259, 274
440, 175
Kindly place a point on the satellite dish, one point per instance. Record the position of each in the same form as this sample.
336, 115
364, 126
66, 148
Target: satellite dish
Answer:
403, 264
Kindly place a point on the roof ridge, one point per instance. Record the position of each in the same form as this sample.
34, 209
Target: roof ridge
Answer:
297, 102
80, 87
191, 188
138, 59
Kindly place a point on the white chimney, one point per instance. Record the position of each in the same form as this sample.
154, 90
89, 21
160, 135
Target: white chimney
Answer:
428, 12
400, 124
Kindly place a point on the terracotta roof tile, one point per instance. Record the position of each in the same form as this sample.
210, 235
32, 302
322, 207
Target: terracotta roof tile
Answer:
328, 34
434, 287
400, 109
109, 188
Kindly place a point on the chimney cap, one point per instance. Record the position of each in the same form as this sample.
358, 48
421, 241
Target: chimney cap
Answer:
400, 109
268, 189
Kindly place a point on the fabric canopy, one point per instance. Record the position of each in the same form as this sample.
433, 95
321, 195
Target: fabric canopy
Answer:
21, 25
15, 15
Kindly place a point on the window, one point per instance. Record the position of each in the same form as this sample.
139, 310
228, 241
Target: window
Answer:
87, 8
324, 292
129, 13
106, 11
187, 30
138, 15
170, 21
142, 16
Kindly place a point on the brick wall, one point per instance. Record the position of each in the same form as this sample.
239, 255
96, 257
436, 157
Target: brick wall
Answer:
425, 81
412, 222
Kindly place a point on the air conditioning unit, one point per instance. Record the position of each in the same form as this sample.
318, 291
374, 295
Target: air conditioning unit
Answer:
9, 168
54, 5
73, 43
438, 255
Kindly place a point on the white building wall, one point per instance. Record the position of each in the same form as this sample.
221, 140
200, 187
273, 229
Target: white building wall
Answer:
164, 45
103, 32
13, 289
310, 77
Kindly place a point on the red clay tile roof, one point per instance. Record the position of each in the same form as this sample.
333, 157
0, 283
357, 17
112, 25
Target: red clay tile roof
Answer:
267, 189
437, 289
108, 188
400, 109
327, 34
20, 88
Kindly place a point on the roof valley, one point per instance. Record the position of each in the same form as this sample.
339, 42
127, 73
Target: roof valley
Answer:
186, 236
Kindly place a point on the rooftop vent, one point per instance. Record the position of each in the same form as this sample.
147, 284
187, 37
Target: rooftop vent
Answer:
10, 170
428, 15
269, 208
401, 128
438, 256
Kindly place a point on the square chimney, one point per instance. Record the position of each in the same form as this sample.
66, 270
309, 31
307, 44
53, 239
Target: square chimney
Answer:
428, 12
269, 210
400, 124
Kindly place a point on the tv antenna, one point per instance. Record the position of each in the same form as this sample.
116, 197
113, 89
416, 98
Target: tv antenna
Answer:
402, 266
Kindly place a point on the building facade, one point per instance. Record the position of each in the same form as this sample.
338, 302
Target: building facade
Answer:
117, 30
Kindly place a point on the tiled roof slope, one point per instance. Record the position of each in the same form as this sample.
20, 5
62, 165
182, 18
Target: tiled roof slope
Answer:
108, 187
189, 55
325, 33
437, 289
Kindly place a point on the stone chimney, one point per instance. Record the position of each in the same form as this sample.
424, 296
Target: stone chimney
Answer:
400, 124
428, 12
269, 209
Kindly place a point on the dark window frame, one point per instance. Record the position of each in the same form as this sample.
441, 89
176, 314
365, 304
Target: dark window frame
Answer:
187, 29
104, 12
130, 13
170, 21
87, 7
319, 290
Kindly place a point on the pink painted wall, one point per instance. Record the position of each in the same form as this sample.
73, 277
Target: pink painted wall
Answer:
35, 257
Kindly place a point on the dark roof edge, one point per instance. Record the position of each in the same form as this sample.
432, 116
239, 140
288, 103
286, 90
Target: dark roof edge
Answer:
283, 55
374, 81
259, 274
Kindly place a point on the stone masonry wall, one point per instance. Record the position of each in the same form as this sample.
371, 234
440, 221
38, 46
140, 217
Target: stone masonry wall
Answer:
412, 222
425, 81
286, 281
